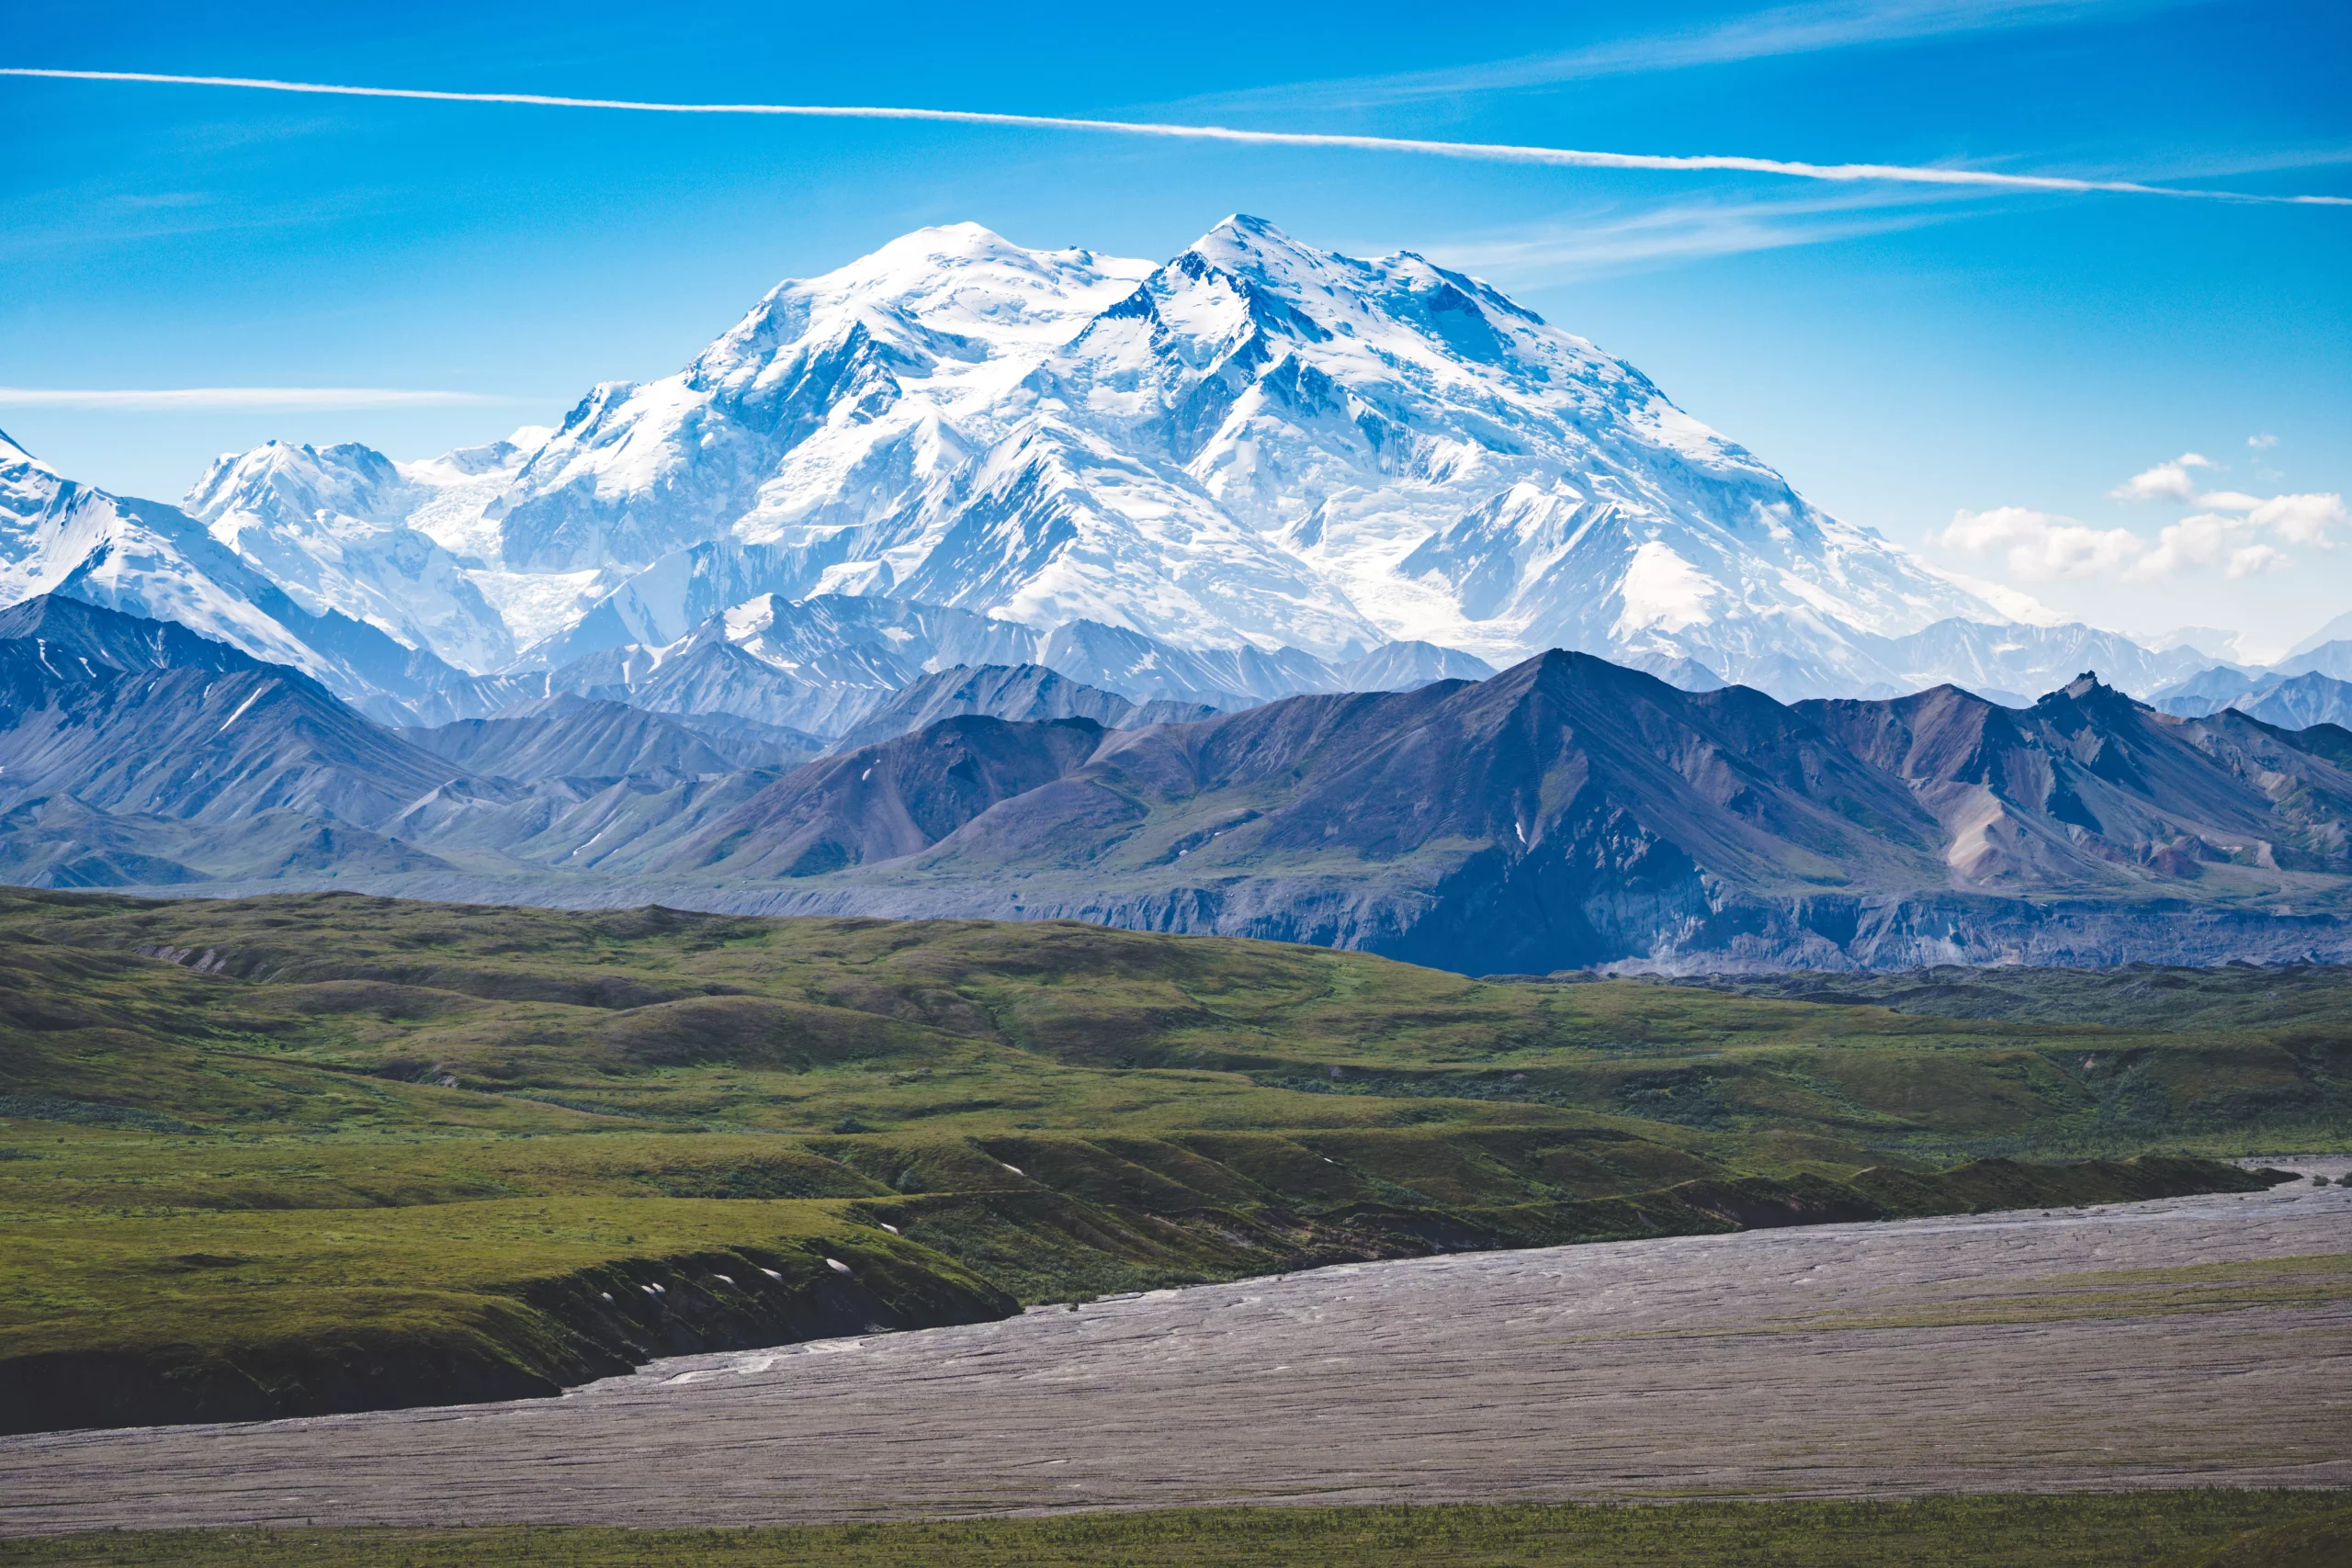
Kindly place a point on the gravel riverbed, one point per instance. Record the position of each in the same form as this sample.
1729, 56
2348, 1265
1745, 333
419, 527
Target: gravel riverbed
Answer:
2000, 1352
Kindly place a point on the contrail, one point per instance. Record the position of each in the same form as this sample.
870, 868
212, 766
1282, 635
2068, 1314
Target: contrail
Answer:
1482, 151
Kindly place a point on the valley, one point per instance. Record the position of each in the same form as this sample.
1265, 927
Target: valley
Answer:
316, 1153
755, 810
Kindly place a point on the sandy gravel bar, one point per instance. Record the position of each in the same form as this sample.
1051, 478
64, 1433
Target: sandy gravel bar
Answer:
1998, 1352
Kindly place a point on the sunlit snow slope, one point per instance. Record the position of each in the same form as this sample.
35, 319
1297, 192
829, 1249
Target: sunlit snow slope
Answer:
1258, 443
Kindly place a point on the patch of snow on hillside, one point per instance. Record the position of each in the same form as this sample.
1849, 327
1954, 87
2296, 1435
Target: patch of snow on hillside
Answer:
1662, 592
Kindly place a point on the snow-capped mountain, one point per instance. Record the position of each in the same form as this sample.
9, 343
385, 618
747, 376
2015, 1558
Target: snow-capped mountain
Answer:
2010, 663
816, 666
1465, 473
146, 559
58, 536
1256, 446
821, 412
330, 526
1406, 667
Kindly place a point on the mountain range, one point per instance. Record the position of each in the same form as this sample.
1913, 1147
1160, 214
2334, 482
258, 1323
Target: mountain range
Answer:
1563, 813
1222, 478
2290, 701
1266, 592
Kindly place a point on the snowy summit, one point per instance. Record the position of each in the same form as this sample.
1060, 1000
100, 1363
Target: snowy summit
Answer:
1258, 446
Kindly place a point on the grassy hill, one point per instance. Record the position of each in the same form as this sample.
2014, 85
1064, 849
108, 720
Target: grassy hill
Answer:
321, 1152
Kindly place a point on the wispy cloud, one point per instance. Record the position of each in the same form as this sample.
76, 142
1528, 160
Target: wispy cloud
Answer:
1762, 35
195, 400
1603, 241
1481, 152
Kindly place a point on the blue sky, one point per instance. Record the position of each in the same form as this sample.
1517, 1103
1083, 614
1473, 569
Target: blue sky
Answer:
1905, 353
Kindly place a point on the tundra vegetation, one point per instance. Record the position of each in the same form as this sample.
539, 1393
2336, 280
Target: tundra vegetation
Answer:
2147, 1529
321, 1152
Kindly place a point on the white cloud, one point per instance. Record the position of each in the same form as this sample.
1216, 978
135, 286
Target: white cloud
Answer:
200, 398
2228, 500
2205, 540
2166, 481
2301, 519
2262, 443
2038, 546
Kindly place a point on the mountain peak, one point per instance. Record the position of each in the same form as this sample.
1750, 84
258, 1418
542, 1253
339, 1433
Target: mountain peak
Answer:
1259, 442
1253, 248
284, 482
14, 456
934, 272
2092, 697
1240, 227
2083, 686
940, 243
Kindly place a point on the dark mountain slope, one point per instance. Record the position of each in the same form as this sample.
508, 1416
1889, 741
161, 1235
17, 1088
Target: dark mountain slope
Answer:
2303, 701
1022, 694
213, 747
221, 766
1546, 759
61, 630
57, 842
752, 743
569, 826
1563, 807
2090, 791
1570, 811
887, 800
1567, 812
572, 738
2292, 701
137, 751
